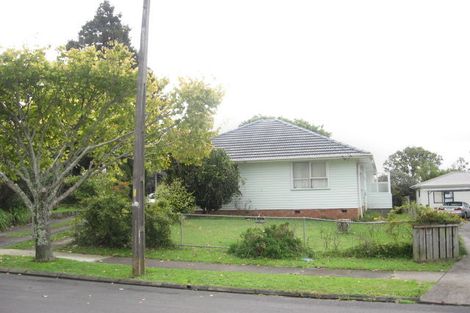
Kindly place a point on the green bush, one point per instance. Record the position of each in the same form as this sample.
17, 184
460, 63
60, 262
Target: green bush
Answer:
177, 197
436, 217
106, 219
158, 220
5, 220
20, 216
378, 250
411, 208
14, 217
275, 241
371, 216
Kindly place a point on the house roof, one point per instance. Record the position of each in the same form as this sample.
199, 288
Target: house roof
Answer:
449, 180
273, 139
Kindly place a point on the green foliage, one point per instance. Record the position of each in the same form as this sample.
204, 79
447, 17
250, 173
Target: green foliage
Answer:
412, 209
460, 165
275, 242
436, 217
371, 216
103, 30
20, 216
106, 220
213, 183
409, 167
158, 220
5, 220
14, 217
178, 198
299, 122
380, 250
54, 114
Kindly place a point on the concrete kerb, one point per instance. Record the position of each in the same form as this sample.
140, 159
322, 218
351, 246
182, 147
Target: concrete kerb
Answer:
264, 292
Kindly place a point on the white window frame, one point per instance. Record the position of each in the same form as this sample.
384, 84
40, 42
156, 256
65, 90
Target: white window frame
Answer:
310, 178
434, 197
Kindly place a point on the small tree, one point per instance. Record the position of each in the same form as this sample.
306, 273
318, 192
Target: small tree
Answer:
103, 30
213, 183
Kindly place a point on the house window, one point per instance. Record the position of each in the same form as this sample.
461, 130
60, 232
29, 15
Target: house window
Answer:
448, 196
310, 175
437, 196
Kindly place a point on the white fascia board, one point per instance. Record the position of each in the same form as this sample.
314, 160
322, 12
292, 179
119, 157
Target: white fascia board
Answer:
442, 188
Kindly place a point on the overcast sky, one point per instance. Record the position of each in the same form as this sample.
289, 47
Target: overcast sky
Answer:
379, 75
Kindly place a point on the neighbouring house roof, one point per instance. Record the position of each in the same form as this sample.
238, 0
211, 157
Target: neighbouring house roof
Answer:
449, 180
273, 139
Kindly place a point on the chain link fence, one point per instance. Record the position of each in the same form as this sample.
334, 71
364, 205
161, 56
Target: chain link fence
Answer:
320, 235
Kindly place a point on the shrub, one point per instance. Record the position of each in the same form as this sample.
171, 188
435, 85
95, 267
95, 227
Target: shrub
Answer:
378, 250
433, 217
5, 220
275, 241
371, 216
106, 220
20, 216
177, 197
412, 208
158, 220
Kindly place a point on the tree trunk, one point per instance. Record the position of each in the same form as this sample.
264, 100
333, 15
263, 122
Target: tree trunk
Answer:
42, 234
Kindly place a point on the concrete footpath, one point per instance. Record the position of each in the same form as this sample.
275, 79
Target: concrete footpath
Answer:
405, 275
454, 286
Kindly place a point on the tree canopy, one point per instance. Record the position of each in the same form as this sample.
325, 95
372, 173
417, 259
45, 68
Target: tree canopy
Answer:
103, 30
55, 113
213, 183
408, 167
299, 122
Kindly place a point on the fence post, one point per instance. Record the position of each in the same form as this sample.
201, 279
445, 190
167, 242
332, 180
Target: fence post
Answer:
305, 237
181, 231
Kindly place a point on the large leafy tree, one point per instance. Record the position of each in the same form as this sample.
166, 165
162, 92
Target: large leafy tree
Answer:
408, 167
298, 121
53, 114
213, 183
103, 30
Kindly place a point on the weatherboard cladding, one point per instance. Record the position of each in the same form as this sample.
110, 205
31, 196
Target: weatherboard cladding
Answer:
275, 140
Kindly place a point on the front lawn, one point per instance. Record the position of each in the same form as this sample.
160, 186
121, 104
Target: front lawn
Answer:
320, 236
281, 282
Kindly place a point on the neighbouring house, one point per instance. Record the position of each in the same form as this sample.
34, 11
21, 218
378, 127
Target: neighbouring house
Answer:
454, 186
288, 170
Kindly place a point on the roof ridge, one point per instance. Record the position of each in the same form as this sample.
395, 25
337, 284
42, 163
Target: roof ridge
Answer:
239, 127
323, 136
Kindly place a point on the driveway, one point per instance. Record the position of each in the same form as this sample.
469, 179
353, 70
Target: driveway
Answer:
454, 286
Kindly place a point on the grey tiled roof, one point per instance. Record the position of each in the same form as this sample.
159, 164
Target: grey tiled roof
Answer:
277, 140
449, 180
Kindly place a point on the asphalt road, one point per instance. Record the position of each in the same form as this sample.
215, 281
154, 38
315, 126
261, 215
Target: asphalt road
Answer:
20, 294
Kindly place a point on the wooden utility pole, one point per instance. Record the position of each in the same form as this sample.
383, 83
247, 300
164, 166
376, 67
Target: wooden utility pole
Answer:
138, 192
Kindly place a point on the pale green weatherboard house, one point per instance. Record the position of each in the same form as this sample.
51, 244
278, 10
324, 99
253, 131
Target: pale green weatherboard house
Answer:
291, 171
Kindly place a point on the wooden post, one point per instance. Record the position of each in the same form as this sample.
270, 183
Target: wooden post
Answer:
455, 246
138, 192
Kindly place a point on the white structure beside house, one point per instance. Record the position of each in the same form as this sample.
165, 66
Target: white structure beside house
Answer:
287, 170
454, 186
